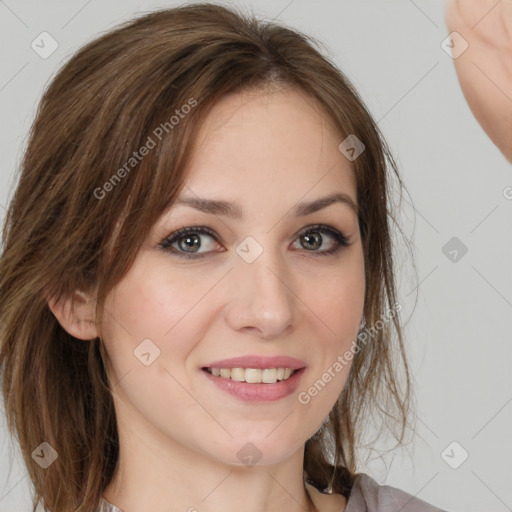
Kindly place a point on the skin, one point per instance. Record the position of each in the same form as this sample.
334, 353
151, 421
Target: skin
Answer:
179, 434
484, 70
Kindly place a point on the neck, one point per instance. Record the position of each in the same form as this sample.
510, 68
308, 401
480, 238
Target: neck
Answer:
154, 475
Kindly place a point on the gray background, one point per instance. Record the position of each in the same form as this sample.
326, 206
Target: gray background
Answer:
459, 333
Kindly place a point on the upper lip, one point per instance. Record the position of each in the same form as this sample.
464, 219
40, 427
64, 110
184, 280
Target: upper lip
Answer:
255, 361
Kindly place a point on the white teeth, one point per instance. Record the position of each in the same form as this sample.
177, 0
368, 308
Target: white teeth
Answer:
253, 375
237, 374
269, 375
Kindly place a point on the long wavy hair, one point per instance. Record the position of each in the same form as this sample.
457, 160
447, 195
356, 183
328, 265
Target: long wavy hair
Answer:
63, 232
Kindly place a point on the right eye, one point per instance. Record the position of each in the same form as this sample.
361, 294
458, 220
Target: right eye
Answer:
186, 242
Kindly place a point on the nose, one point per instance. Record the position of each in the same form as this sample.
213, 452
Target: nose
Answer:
262, 301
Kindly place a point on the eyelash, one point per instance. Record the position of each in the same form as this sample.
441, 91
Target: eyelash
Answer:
341, 240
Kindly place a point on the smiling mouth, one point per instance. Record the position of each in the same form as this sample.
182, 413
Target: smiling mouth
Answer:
252, 375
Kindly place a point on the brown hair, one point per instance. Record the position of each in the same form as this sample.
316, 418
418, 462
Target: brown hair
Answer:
63, 232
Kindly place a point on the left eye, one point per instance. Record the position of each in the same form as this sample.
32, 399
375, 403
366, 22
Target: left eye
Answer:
186, 242
313, 237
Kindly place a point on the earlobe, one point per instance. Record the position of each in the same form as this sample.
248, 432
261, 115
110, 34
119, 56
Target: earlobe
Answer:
79, 322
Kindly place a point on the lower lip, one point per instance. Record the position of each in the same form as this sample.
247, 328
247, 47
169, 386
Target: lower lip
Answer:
257, 392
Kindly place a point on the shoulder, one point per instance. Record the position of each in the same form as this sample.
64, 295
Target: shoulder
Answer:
367, 495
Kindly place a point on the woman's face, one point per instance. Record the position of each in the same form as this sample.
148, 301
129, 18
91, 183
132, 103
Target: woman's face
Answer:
256, 280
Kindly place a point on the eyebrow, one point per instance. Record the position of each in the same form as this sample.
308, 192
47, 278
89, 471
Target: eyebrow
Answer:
234, 210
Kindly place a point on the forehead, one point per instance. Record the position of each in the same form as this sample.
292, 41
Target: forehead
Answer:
280, 139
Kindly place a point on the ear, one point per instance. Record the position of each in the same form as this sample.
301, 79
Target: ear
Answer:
80, 322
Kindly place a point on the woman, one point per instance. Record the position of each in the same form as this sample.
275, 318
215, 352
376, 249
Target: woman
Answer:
197, 290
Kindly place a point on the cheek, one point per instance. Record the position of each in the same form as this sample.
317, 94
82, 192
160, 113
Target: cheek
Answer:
149, 331
153, 302
339, 299
338, 304
150, 304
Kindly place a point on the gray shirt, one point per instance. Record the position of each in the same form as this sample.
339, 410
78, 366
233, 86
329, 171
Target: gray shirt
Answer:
367, 495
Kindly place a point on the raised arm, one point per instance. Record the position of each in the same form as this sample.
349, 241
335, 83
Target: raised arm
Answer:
484, 69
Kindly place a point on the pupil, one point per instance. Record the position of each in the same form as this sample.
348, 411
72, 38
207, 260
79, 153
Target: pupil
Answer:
195, 242
316, 238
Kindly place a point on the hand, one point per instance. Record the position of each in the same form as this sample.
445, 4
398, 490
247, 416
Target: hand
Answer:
485, 68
